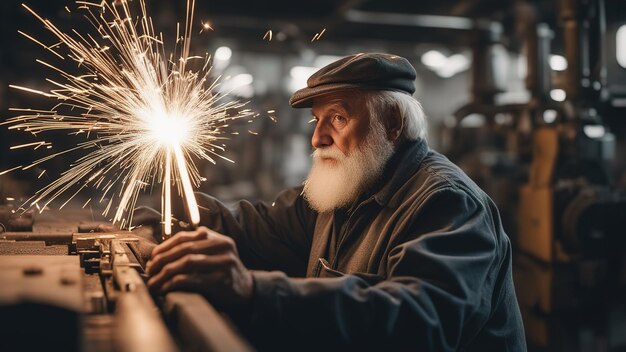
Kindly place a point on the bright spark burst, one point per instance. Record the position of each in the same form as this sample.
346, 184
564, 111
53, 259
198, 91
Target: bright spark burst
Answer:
146, 117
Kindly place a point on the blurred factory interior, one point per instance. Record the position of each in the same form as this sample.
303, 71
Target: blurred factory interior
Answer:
528, 97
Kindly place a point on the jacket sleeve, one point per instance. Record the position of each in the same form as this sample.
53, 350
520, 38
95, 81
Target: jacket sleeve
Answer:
274, 236
441, 280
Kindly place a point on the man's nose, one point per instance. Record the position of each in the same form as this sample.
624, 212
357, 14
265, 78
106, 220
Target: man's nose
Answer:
321, 136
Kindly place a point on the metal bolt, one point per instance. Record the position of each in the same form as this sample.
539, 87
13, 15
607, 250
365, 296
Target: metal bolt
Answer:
33, 271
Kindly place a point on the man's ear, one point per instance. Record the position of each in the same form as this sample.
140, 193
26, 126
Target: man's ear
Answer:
394, 124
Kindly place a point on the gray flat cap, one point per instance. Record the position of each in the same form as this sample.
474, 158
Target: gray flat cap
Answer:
371, 71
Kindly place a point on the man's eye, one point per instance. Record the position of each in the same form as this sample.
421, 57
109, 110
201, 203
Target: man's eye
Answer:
338, 119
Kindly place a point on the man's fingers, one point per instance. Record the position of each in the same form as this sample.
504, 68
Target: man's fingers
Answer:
208, 247
193, 282
181, 237
192, 263
183, 282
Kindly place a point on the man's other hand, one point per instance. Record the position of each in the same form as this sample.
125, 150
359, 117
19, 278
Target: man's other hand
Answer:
202, 261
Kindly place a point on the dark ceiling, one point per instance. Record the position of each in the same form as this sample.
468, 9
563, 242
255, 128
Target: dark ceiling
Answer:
395, 21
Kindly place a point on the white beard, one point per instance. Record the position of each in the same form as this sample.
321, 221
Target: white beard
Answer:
333, 186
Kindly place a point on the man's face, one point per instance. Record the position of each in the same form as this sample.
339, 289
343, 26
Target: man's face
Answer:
342, 121
351, 149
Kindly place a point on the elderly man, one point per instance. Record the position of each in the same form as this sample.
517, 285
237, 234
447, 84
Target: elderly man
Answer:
387, 245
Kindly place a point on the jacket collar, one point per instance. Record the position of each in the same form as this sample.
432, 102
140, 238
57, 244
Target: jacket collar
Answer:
402, 165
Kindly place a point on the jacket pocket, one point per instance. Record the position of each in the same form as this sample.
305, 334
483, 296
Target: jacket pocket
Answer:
324, 270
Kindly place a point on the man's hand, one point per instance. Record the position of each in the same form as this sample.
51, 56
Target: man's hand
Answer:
203, 261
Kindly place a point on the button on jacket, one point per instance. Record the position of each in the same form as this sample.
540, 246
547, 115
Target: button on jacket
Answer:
422, 263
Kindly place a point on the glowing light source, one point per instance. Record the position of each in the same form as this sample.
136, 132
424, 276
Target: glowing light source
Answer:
242, 79
145, 115
169, 131
239, 85
620, 45
558, 63
300, 72
434, 59
558, 94
594, 131
299, 76
473, 120
549, 115
445, 66
223, 53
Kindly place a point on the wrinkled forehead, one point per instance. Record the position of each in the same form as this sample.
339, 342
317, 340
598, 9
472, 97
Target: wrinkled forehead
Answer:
351, 102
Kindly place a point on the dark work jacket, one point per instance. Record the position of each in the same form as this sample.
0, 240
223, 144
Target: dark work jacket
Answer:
421, 264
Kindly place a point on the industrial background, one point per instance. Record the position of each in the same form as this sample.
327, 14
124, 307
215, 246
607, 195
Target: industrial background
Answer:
527, 96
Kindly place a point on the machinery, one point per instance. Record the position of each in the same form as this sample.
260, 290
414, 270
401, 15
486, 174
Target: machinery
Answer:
84, 290
551, 165
559, 196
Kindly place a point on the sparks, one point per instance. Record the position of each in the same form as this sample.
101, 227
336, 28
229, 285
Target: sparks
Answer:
9, 170
270, 115
206, 26
145, 116
319, 35
38, 144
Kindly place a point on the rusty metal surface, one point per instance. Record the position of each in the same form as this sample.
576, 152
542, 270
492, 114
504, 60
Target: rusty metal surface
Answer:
31, 248
53, 280
139, 326
50, 238
41, 302
200, 326
98, 333
90, 285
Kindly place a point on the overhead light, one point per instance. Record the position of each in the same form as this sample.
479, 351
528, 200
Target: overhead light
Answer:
299, 75
620, 45
455, 64
434, 59
242, 79
594, 131
299, 72
223, 53
239, 85
221, 58
473, 120
558, 95
558, 63
549, 116
445, 66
